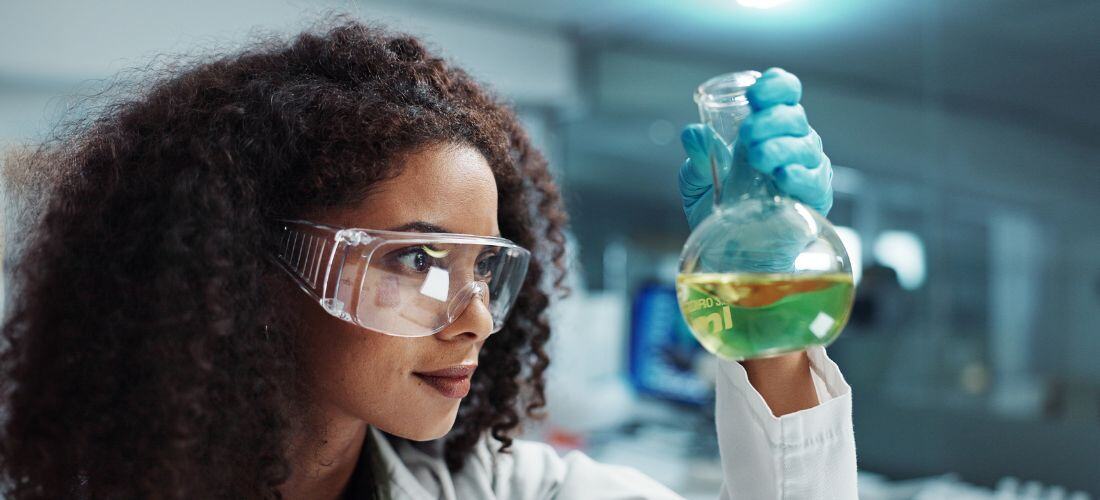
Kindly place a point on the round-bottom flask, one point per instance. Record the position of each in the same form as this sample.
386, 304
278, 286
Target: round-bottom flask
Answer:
763, 274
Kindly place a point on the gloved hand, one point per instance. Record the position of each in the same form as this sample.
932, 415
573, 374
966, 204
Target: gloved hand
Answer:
775, 139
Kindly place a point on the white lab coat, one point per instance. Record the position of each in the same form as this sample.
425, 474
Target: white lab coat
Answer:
809, 454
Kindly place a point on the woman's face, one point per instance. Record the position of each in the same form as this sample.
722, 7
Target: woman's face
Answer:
368, 375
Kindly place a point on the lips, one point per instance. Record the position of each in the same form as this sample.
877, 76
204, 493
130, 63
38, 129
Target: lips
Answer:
452, 382
457, 371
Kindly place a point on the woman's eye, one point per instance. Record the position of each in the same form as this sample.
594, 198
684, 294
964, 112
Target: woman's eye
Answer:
415, 259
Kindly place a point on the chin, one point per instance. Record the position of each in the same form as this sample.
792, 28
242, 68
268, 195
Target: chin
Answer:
432, 436
425, 430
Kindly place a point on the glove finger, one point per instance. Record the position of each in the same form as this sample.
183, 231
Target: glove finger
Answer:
692, 190
776, 86
775, 121
696, 198
812, 186
776, 152
701, 143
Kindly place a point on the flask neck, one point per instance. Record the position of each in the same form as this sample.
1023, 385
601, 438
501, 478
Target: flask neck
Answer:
723, 106
739, 181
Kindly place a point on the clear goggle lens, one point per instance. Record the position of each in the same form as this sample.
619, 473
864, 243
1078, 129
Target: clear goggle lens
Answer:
404, 284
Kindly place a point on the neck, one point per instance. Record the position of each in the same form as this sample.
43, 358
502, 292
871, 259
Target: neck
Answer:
323, 454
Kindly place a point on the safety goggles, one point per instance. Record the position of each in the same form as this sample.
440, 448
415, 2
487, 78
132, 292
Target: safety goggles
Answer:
407, 284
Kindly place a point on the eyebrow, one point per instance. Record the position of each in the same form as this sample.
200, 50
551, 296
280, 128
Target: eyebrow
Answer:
424, 227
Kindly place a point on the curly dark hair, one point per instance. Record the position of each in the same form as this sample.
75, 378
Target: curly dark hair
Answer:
146, 353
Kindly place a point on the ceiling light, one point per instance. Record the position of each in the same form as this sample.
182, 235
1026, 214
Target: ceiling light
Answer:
762, 4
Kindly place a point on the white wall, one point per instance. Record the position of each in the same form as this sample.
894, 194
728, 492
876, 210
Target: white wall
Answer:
53, 47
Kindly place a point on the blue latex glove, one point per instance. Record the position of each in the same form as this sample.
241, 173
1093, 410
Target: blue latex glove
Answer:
775, 139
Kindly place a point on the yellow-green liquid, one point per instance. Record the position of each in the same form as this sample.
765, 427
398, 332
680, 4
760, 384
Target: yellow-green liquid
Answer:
752, 315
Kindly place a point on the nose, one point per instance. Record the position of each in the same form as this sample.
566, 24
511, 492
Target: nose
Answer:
469, 314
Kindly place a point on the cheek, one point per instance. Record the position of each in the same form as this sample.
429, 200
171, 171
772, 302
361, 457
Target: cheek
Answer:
353, 369
366, 375
387, 293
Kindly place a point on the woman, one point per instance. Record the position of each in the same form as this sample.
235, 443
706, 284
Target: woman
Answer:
175, 332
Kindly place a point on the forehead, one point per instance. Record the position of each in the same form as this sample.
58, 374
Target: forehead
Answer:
447, 185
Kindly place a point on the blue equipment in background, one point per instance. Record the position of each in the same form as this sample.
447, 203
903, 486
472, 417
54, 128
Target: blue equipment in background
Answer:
663, 353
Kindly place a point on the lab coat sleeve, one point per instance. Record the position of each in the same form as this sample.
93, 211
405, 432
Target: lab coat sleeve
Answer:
809, 454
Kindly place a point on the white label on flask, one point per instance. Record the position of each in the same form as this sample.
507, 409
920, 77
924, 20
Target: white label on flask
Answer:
436, 284
821, 325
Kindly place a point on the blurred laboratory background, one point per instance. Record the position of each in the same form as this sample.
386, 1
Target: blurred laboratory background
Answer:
965, 139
